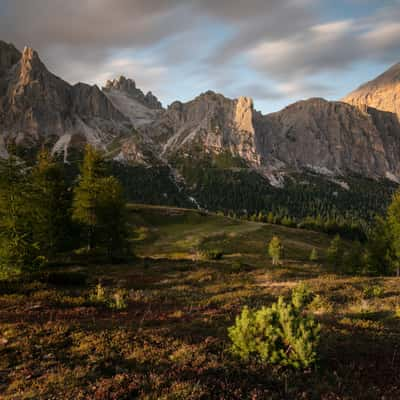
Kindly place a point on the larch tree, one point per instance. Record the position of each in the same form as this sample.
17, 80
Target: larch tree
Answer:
99, 205
275, 250
393, 218
17, 248
51, 204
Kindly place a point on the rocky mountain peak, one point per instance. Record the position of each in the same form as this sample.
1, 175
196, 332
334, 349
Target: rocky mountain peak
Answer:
128, 87
122, 83
30, 66
382, 93
9, 56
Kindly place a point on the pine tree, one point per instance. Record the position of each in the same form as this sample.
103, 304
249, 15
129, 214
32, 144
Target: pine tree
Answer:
275, 250
111, 216
393, 218
98, 204
17, 248
335, 251
314, 255
379, 256
353, 262
51, 203
87, 192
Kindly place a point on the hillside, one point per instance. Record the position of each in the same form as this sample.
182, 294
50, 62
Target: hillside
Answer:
171, 339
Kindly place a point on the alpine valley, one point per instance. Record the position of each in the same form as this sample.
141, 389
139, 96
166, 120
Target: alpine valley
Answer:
313, 158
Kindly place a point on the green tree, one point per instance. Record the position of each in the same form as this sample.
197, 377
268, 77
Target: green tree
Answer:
98, 204
335, 251
17, 248
379, 255
314, 255
275, 250
112, 216
87, 193
282, 334
393, 217
353, 260
51, 203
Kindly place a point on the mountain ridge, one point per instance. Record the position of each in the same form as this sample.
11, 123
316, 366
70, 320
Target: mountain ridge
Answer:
332, 138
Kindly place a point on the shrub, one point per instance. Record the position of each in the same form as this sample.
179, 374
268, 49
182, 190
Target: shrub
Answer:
314, 255
373, 291
212, 254
119, 299
335, 251
275, 250
99, 294
238, 266
302, 296
278, 335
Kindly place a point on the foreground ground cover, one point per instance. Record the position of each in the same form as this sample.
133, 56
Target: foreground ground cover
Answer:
170, 340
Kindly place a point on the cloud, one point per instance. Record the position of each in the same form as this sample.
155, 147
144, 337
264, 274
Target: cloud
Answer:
90, 22
330, 46
268, 49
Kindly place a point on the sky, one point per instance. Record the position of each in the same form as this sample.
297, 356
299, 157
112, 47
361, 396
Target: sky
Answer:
275, 51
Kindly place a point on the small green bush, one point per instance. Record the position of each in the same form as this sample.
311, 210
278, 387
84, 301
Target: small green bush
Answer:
99, 294
314, 255
212, 254
238, 266
118, 299
370, 292
302, 296
281, 334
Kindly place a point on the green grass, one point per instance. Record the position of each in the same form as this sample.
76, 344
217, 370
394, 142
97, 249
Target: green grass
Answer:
170, 342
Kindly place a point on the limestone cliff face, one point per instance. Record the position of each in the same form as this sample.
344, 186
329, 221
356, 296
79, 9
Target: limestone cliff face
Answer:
331, 138
37, 106
328, 137
382, 93
211, 123
128, 86
140, 108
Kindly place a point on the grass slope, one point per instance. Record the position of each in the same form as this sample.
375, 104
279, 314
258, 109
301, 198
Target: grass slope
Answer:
171, 340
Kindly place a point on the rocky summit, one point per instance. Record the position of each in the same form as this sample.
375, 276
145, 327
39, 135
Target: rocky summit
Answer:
382, 93
37, 107
359, 135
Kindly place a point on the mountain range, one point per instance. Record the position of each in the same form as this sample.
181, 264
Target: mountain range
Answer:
357, 136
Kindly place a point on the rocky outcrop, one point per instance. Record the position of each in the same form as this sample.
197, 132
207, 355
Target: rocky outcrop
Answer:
382, 93
211, 122
9, 56
141, 109
128, 87
330, 138
37, 106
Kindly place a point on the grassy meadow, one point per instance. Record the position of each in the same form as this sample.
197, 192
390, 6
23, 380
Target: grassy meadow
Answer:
156, 326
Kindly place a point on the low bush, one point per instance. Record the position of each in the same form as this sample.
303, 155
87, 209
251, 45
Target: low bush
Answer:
98, 295
370, 292
282, 334
211, 254
238, 266
302, 296
118, 299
